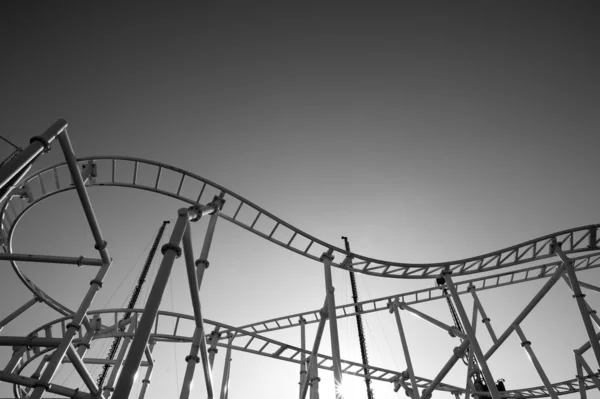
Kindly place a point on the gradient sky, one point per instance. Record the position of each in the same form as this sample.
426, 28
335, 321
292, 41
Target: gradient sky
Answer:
424, 132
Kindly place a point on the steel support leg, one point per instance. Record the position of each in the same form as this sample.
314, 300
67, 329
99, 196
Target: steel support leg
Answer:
148, 376
315, 350
485, 319
579, 297
458, 353
468, 383
471, 334
18, 312
109, 387
536, 299
580, 379
73, 327
414, 388
538, 367
199, 344
302, 354
314, 379
327, 258
588, 370
214, 340
226, 370
170, 251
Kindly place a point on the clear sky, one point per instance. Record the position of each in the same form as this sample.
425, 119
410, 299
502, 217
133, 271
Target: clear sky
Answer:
423, 131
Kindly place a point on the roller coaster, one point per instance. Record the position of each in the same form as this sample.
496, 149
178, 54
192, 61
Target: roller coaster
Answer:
67, 340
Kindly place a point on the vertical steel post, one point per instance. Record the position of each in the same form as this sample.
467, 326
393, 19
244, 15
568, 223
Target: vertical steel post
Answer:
74, 326
469, 383
315, 350
538, 367
18, 312
393, 306
485, 319
226, 369
314, 378
214, 340
199, 344
302, 354
148, 376
580, 379
170, 251
327, 258
491, 383
202, 263
578, 295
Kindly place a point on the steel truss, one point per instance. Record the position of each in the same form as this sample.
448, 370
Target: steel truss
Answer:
554, 257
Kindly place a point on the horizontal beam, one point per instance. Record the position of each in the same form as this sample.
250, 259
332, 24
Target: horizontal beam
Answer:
66, 260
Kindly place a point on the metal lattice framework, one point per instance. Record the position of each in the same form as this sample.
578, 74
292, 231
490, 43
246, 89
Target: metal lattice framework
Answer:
67, 339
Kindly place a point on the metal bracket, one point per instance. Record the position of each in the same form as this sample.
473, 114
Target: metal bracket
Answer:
89, 172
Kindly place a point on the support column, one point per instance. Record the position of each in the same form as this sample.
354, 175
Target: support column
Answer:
538, 367
226, 369
214, 340
195, 281
393, 306
170, 251
302, 354
579, 297
491, 383
580, 379
148, 376
485, 319
327, 258
456, 355
314, 378
74, 326
314, 352
469, 383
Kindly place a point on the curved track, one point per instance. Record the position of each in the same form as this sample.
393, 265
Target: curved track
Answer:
520, 262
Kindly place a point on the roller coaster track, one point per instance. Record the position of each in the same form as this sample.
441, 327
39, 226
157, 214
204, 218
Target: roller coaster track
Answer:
49, 335
515, 264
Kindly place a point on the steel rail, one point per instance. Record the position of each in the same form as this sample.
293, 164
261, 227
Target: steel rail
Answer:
574, 240
281, 351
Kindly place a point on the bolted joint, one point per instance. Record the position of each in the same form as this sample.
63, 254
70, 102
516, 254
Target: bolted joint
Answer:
470, 288
101, 246
579, 296
323, 313
452, 331
42, 140
458, 352
145, 381
217, 203
525, 343
486, 320
171, 247
194, 358
212, 350
331, 289
446, 272
97, 282
327, 256
202, 262
84, 344
77, 327
554, 245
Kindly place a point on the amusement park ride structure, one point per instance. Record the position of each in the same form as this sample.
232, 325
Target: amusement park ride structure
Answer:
135, 331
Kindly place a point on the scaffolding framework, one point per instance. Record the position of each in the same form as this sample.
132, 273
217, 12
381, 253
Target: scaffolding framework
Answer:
554, 257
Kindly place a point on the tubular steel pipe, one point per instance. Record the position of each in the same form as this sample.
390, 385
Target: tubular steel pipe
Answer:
447, 367
581, 304
18, 312
327, 258
199, 337
108, 388
538, 367
81, 261
226, 370
409, 366
491, 383
536, 299
315, 350
302, 354
82, 371
138, 345
451, 330
485, 319
38, 144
